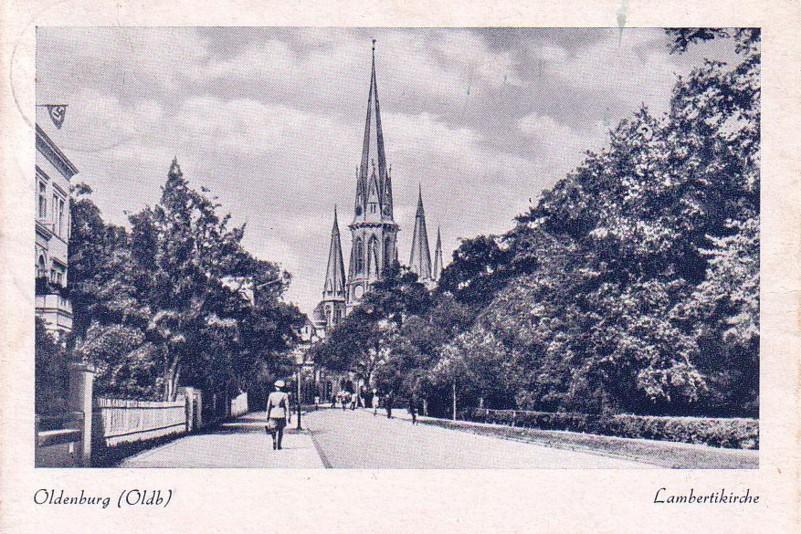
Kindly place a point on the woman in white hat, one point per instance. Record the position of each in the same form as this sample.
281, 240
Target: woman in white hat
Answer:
278, 414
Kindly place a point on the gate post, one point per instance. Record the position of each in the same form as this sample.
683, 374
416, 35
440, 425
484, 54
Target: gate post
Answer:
80, 400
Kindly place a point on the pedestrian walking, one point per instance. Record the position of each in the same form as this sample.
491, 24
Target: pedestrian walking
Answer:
388, 400
354, 400
344, 400
375, 402
412, 410
278, 413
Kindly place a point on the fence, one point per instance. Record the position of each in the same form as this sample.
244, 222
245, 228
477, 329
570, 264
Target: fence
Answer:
111, 428
119, 421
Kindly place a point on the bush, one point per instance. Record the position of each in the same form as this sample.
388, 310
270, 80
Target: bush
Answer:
51, 372
735, 433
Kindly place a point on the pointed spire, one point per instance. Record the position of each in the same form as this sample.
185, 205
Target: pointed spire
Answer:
175, 169
438, 265
358, 206
388, 209
334, 287
373, 144
420, 260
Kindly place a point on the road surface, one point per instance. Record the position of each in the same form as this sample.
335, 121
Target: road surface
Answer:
357, 439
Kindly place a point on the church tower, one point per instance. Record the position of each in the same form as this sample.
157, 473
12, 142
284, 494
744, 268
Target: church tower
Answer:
373, 230
331, 308
438, 265
420, 260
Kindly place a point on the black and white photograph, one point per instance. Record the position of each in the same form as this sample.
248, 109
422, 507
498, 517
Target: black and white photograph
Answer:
369, 248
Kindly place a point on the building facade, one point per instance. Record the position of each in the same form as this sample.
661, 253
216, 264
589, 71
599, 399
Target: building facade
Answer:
54, 171
374, 232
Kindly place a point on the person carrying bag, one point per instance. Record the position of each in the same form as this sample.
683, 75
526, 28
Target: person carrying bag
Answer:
278, 413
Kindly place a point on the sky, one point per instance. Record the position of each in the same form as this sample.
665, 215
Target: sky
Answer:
270, 120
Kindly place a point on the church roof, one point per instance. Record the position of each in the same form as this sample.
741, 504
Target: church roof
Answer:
420, 259
438, 266
335, 271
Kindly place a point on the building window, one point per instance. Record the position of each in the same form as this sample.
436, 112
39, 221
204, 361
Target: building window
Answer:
388, 256
60, 217
41, 268
42, 200
359, 256
57, 275
372, 256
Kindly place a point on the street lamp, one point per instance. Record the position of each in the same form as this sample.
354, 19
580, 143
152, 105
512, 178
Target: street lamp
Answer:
297, 387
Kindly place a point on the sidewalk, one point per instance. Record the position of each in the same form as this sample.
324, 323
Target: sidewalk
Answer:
239, 443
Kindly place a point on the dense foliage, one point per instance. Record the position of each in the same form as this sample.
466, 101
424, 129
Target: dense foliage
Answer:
736, 433
51, 373
165, 304
632, 286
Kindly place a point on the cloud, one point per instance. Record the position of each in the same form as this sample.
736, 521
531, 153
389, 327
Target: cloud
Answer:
135, 61
561, 145
271, 120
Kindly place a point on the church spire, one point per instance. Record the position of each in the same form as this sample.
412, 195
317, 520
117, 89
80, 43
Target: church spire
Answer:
438, 266
175, 169
335, 272
420, 260
373, 144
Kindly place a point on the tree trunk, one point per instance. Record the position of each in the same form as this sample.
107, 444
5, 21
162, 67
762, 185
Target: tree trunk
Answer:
454, 400
171, 381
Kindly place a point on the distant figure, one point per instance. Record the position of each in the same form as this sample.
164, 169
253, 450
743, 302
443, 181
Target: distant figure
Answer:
388, 404
278, 414
354, 400
375, 402
333, 401
344, 400
412, 410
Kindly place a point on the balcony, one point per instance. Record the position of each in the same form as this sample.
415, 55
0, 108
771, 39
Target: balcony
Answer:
56, 311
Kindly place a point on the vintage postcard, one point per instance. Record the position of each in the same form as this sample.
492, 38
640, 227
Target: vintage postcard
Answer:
516, 269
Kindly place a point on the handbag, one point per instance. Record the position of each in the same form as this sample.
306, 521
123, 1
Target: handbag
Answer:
271, 425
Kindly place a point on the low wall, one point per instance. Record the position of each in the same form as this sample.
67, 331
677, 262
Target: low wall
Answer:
59, 447
118, 421
239, 405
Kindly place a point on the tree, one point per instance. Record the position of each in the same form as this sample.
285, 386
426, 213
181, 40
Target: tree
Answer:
477, 272
632, 285
51, 372
363, 341
163, 304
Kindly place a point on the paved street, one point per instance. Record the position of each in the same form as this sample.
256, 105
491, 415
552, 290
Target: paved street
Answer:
239, 443
360, 440
357, 439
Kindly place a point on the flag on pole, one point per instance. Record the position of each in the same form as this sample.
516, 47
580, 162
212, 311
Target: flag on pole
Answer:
57, 113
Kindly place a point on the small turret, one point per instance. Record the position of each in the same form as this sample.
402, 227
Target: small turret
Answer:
334, 287
420, 259
438, 265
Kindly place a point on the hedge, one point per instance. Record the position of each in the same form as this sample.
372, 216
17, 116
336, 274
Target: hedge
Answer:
735, 433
